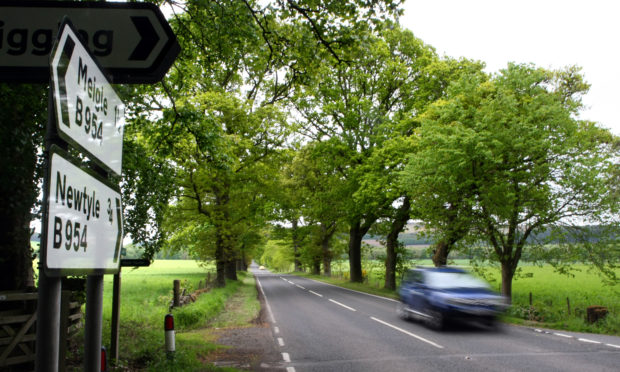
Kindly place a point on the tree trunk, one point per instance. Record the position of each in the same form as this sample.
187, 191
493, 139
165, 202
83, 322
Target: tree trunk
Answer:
296, 246
220, 270
355, 252
440, 254
327, 256
316, 265
507, 274
399, 222
231, 269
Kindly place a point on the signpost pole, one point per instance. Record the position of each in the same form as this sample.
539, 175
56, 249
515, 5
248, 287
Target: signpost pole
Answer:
48, 307
116, 307
92, 332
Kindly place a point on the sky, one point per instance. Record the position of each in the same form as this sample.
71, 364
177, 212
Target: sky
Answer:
548, 33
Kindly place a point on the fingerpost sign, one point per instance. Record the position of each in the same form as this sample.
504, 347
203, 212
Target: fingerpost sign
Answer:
89, 113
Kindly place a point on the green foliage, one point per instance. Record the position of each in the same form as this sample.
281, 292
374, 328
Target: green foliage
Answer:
22, 124
502, 157
277, 255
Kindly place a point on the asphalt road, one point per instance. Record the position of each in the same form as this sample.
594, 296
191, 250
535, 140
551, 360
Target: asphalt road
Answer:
319, 327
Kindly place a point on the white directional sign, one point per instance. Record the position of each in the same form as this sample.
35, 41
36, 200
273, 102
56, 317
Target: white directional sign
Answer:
84, 225
89, 113
132, 40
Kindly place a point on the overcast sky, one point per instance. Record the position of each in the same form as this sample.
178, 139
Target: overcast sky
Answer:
548, 33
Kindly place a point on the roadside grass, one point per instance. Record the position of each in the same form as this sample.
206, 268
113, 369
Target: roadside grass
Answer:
552, 294
146, 293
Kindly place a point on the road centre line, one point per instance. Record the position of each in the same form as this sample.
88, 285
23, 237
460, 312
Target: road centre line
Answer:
343, 305
407, 332
316, 294
276, 330
290, 369
286, 357
588, 341
269, 312
298, 286
612, 345
352, 290
562, 335
280, 341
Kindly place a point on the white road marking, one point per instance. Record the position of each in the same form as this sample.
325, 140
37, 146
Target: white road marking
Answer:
260, 286
588, 341
406, 332
352, 290
280, 341
562, 335
290, 369
316, 294
343, 305
298, 286
286, 357
290, 282
612, 345
276, 330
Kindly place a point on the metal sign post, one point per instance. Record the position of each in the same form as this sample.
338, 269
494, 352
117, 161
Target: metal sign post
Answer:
83, 217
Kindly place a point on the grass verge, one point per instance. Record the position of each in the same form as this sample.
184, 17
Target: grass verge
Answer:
145, 297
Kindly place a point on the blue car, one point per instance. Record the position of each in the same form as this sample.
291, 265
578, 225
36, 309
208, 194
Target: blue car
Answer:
436, 295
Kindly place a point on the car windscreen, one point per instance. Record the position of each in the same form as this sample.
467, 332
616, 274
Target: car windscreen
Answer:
444, 280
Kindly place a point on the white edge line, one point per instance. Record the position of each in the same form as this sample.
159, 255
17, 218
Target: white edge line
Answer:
286, 357
280, 341
406, 332
353, 290
612, 345
343, 305
260, 286
588, 341
562, 335
316, 294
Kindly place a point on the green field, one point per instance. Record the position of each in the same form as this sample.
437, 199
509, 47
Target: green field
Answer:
146, 293
550, 291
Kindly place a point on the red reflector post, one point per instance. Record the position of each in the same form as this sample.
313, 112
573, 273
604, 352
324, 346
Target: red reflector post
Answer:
104, 359
169, 322
169, 335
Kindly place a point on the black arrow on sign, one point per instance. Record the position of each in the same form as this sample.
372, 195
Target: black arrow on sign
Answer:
148, 39
63, 64
117, 248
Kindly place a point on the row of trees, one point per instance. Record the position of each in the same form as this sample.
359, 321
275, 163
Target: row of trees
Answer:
312, 123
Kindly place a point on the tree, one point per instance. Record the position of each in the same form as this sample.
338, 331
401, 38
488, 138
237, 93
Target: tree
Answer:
352, 109
507, 157
22, 124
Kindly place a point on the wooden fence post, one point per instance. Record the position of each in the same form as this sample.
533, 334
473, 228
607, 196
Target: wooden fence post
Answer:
176, 292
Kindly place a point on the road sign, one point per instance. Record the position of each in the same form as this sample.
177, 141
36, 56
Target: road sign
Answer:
89, 113
132, 41
84, 224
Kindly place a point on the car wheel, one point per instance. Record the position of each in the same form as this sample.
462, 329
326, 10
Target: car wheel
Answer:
436, 319
401, 310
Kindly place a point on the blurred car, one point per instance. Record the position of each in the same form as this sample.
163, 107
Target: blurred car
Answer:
440, 294
261, 267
